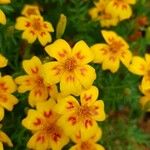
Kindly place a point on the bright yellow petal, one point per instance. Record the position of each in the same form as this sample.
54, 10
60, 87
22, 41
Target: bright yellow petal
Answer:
66, 105
82, 53
22, 23
3, 61
100, 52
34, 120
1, 146
145, 101
60, 50
39, 141
32, 66
7, 84
138, 65
99, 147
44, 37
145, 85
89, 96
53, 91
48, 26
126, 57
8, 101
98, 110
70, 84
5, 139
73, 148
147, 58
52, 72
1, 113
131, 1
93, 12
2, 17
29, 35
5, 1
111, 64
86, 75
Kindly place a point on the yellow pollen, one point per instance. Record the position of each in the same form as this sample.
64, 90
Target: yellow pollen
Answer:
70, 64
37, 24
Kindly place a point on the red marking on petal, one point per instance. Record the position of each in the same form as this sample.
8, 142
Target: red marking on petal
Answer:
87, 97
80, 56
42, 34
88, 123
63, 53
40, 138
45, 25
57, 70
28, 24
3, 87
38, 93
70, 78
37, 122
35, 70
83, 71
56, 136
48, 114
32, 32
70, 105
3, 98
72, 120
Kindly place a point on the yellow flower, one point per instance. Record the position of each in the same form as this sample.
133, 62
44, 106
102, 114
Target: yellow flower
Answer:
34, 82
141, 66
89, 144
47, 133
35, 27
4, 139
2, 15
71, 68
29, 10
110, 54
3, 61
81, 116
7, 100
120, 8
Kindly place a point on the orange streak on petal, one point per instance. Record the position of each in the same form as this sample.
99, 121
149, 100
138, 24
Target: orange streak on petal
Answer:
37, 122
88, 123
47, 114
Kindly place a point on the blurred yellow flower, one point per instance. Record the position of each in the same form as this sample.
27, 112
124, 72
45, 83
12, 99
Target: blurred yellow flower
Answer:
89, 144
81, 116
35, 27
47, 133
110, 54
34, 82
71, 68
2, 15
141, 66
29, 10
7, 100
3, 61
4, 139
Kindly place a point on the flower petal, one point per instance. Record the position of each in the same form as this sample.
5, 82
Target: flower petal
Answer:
22, 23
3, 61
5, 1
60, 50
48, 26
88, 97
1, 113
52, 72
99, 147
32, 66
82, 53
2, 17
138, 65
86, 75
70, 84
1, 146
100, 52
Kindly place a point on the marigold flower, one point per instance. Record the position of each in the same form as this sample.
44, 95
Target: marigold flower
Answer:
2, 15
7, 100
4, 139
141, 66
81, 117
89, 144
35, 27
71, 68
3, 61
47, 133
29, 10
110, 54
34, 82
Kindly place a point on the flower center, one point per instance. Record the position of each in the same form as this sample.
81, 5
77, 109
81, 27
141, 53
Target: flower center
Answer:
39, 82
37, 24
70, 64
115, 46
84, 111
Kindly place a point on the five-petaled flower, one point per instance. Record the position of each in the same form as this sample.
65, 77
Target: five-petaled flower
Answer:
110, 54
2, 15
3, 61
89, 144
141, 66
7, 100
81, 116
71, 68
34, 82
43, 122
35, 27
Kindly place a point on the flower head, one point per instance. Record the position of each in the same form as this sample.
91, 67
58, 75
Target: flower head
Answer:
7, 100
47, 133
34, 82
110, 54
81, 116
35, 27
3, 61
71, 68
141, 66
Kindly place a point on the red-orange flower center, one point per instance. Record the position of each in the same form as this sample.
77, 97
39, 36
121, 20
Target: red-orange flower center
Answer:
36, 24
84, 111
70, 64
